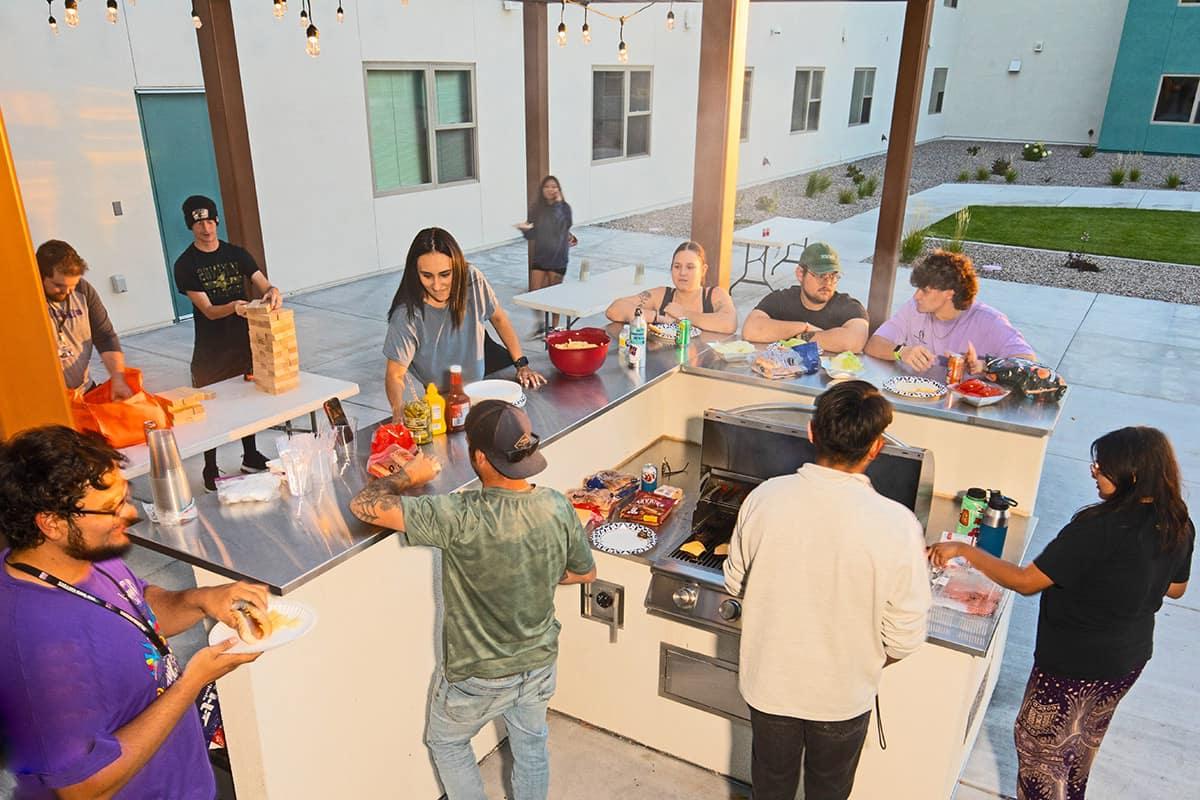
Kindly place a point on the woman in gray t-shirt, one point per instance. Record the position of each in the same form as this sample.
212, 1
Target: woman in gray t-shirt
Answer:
437, 319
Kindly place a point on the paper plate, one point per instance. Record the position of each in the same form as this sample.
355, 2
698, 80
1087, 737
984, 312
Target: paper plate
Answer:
305, 618
623, 538
836, 374
914, 387
508, 391
669, 330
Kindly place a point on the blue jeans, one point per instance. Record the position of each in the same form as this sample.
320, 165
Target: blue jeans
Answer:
459, 710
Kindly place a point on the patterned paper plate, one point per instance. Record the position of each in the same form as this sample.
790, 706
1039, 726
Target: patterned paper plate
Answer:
914, 387
623, 538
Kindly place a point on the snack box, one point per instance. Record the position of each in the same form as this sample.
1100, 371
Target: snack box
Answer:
648, 508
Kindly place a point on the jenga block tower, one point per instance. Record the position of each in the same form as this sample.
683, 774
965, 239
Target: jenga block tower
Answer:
273, 346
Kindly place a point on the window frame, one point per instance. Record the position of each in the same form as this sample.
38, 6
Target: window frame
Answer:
1194, 118
432, 126
954, 3
809, 100
747, 94
627, 98
933, 94
851, 123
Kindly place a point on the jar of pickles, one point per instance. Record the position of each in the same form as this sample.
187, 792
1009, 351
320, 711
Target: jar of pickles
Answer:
417, 420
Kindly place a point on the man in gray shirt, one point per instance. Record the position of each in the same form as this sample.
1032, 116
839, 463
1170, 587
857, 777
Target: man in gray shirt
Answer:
80, 320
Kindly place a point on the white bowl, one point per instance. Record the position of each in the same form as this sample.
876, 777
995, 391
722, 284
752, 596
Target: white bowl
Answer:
980, 402
508, 391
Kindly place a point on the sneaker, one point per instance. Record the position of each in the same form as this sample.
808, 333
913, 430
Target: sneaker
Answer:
210, 478
255, 462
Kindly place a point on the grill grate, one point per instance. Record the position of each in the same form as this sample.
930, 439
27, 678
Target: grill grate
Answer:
707, 559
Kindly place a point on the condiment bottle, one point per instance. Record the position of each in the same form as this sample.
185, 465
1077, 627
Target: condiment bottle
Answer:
458, 405
637, 331
437, 410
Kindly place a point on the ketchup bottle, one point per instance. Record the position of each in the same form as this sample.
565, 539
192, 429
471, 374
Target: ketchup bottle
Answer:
458, 405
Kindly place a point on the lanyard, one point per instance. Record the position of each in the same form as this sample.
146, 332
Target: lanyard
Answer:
139, 622
60, 317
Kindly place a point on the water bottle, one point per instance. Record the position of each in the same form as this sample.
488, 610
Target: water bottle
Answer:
973, 503
637, 331
993, 524
168, 483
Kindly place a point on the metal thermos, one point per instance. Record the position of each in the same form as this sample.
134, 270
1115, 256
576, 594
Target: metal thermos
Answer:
993, 524
168, 483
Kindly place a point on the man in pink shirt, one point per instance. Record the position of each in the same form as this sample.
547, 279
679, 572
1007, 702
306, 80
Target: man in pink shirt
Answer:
943, 317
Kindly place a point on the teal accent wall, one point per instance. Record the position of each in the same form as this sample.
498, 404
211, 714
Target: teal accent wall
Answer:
1160, 37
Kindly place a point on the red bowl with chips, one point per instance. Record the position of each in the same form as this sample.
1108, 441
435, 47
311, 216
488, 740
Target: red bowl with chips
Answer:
578, 360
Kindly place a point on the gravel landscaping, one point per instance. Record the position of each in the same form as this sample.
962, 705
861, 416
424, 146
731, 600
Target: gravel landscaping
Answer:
1171, 283
933, 163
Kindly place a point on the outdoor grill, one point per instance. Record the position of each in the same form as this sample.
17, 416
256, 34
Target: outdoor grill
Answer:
740, 449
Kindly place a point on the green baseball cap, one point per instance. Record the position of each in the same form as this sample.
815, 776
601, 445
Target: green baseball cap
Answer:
819, 258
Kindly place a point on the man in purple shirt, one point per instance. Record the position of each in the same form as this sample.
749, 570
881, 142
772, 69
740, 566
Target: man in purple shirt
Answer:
943, 318
92, 702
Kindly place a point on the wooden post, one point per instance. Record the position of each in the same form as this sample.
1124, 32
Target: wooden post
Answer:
227, 115
723, 29
32, 391
918, 16
537, 103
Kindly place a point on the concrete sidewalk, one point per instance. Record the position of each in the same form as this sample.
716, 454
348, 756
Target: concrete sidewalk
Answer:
1129, 361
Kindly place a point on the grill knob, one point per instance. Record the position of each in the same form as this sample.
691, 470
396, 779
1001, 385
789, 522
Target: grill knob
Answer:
604, 599
729, 610
685, 597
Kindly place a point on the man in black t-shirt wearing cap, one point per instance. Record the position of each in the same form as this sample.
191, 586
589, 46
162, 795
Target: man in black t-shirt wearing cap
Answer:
212, 273
813, 311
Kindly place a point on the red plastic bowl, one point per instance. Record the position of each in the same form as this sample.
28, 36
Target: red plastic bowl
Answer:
578, 363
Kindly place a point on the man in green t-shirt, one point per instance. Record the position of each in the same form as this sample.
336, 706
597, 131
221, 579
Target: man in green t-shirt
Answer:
505, 549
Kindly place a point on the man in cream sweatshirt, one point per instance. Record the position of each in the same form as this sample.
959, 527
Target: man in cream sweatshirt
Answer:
836, 587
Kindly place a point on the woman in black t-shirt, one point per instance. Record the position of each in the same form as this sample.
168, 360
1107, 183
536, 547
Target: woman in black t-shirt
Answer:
548, 226
1102, 579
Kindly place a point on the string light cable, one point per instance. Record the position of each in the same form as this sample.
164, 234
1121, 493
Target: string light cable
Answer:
50, 20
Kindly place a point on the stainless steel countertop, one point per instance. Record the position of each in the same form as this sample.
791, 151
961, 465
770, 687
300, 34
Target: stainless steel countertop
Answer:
288, 542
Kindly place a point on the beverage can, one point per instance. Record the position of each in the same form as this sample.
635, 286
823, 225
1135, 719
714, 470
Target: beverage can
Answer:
649, 477
956, 367
766, 232
683, 333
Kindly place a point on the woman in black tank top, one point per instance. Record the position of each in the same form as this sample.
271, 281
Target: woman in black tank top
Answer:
709, 308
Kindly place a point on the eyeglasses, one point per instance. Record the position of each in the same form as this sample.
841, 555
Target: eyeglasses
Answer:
829, 278
518, 453
115, 513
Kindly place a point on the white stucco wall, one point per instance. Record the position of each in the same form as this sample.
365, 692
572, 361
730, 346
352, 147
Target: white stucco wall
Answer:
1059, 94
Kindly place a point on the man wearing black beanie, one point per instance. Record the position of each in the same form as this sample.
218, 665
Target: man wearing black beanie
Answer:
212, 273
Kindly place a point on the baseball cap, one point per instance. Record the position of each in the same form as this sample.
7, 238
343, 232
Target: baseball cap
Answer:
819, 258
503, 432
198, 207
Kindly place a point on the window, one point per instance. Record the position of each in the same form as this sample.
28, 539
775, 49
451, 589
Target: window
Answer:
421, 120
806, 99
954, 3
937, 91
861, 94
746, 81
620, 129
1177, 96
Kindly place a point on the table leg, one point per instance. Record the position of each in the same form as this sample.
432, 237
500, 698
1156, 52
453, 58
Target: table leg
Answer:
761, 259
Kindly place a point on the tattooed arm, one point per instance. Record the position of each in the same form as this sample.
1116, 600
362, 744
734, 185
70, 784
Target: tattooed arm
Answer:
622, 309
379, 501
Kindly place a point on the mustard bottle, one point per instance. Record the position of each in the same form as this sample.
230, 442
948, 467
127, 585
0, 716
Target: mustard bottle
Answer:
437, 410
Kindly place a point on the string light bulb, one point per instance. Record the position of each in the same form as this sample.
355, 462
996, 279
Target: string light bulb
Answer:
279, 9
196, 23
622, 50
50, 20
71, 13
562, 25
671, 16
341, 15
111, 11
313, 47
587, 29
304, 18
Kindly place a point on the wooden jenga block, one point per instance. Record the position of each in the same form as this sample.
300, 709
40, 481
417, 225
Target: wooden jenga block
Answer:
193, 413
274, 349
184, 396
277, 385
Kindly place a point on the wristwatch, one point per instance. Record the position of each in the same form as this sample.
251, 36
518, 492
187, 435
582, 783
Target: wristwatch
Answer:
807, 336
896, 351
523, 361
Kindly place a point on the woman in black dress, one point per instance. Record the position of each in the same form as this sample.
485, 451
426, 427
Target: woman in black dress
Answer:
549, 228
1102, 579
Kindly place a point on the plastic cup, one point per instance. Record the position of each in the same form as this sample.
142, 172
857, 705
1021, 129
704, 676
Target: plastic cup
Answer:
639, 273
345, 443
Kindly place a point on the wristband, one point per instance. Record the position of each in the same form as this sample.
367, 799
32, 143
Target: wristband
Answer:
523, 361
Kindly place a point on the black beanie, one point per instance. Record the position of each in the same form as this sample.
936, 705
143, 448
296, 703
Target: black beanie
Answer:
198, 207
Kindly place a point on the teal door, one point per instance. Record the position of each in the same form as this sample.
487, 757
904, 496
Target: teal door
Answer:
179, 151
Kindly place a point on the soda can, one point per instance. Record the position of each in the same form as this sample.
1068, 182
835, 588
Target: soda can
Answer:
956, 366
683, 333
649, 477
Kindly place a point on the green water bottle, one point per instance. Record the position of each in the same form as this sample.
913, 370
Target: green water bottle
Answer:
974, 501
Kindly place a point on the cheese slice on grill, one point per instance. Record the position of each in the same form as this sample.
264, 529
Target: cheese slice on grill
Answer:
721, 549
694, 548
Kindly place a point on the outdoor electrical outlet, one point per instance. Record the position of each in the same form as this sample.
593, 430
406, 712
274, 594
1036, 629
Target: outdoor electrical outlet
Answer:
118, 284
117, 211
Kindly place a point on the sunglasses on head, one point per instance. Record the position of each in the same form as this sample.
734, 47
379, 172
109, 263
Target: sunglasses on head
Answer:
516, 454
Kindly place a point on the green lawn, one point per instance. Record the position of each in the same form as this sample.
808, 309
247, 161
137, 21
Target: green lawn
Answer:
1172, 236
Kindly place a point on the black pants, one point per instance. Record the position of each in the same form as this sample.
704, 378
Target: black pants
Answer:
829, 751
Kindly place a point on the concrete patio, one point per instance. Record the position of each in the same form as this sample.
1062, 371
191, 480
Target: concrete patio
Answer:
1129, 361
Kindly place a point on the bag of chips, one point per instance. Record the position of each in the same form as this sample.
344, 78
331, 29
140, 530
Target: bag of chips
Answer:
1031, 379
